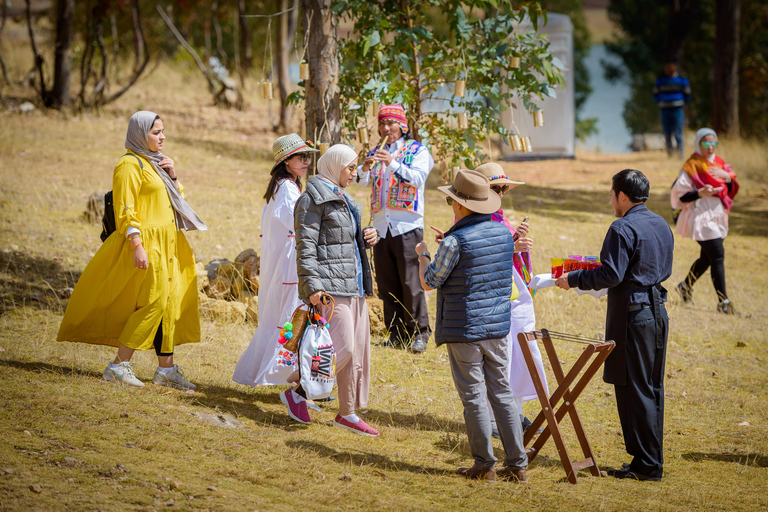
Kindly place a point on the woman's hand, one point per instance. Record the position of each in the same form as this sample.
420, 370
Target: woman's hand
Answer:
315, 298
168, 166
140, 259
522, 230
371, 236
720, 173
709, 191
523, 244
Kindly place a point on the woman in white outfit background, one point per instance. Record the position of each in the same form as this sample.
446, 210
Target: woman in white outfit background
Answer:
278, 281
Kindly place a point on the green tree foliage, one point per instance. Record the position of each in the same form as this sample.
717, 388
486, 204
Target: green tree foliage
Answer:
398, 56
642, 49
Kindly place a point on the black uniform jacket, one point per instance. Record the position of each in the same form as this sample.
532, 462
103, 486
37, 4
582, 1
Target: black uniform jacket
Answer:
636, 256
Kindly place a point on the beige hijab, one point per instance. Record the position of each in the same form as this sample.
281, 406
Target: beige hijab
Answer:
137, 141
330, 165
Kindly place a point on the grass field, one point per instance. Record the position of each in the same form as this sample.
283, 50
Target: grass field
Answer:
92, 445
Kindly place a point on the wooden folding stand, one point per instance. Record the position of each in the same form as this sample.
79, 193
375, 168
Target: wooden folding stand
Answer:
597, 348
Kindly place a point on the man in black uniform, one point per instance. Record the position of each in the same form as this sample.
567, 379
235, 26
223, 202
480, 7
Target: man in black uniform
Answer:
636, 258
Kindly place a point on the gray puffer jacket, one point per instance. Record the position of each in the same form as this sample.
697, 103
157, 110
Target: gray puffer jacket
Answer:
325, 238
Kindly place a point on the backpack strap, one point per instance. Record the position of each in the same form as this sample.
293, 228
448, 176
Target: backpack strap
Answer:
141, 165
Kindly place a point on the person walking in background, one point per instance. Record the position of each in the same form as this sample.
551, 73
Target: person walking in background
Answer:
704, 193
636, 258
330, 245
671, 92
278, 290
397, 170
139, 291
473, 275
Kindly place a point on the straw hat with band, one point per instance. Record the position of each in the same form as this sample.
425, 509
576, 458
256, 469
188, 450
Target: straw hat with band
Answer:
472, 190
289, 145
496, 175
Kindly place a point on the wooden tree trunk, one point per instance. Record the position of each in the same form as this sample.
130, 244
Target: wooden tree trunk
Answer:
3, 65
725, 84
677, 29
246, 49
322, 115
286, 34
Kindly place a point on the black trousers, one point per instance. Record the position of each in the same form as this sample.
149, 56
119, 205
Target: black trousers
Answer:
712, 257
641, 401
397, 277
158, 342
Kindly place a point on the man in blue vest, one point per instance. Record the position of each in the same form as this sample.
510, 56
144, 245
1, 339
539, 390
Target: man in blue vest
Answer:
636, 258
671, 92
472, 273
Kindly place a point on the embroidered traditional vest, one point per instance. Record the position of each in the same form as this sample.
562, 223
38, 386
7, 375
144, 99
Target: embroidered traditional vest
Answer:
401, 195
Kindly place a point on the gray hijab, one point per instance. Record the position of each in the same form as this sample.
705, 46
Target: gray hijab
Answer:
137, 141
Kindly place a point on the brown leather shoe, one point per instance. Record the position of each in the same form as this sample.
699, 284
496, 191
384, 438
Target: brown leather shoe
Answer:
513, 475
478, 473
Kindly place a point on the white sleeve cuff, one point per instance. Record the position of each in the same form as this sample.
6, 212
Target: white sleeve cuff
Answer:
131, 230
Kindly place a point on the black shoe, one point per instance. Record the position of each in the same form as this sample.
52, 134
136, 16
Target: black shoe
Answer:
419, 345
725, 306
685, 293
626, 473
495, 432
526, 423
326, 399
391, 343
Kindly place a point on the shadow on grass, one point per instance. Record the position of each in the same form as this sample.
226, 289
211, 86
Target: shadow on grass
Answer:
38, 367
359, 458
27, 280
418, 421
748, 216
745, 459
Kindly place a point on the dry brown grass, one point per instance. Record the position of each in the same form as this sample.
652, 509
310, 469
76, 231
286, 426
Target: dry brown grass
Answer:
55, 405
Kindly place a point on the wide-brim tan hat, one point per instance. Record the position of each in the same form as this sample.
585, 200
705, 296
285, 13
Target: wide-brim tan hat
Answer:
289, 145
472, 190
497, 176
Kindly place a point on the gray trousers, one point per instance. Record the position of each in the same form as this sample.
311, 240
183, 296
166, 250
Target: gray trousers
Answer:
480, 374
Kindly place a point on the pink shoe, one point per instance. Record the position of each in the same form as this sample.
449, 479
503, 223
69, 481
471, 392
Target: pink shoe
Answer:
297, 410
360, 427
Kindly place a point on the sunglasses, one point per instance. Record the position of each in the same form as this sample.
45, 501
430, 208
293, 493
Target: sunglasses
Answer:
305, 158
709, 144
500, 189
449, 200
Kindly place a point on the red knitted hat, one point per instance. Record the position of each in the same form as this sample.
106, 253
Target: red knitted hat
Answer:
395, 113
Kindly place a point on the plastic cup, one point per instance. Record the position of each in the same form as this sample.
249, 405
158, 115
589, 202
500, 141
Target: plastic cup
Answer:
570, 264
557, 267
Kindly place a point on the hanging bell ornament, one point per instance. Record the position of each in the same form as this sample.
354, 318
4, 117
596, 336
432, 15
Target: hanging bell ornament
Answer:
362, 135
375, 105
323, 148
267, 86
515, 143
454, 171
527, 145
524, 147
514, 62
304, 71
460, 88
463, 121
538, 118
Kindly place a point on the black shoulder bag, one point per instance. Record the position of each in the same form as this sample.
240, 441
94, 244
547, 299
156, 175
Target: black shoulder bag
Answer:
108, 224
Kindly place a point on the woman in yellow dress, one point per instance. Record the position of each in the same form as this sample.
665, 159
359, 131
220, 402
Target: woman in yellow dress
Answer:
139, 291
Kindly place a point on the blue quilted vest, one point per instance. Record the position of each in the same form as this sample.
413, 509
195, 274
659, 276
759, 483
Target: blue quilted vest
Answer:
473, 303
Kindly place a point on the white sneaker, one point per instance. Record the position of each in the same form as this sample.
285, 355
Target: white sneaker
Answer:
123, 374
174, 379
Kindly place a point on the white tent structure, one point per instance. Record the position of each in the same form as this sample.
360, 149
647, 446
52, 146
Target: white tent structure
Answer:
556, 139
